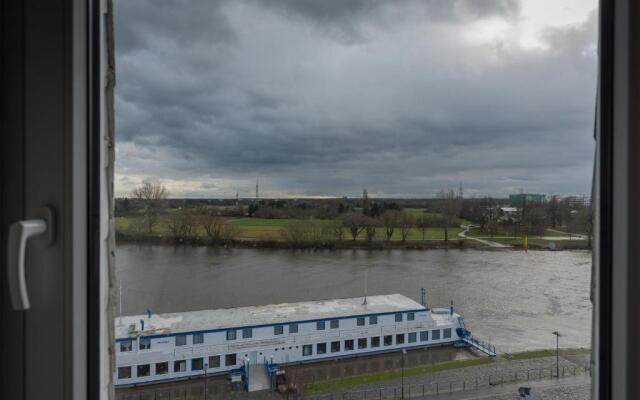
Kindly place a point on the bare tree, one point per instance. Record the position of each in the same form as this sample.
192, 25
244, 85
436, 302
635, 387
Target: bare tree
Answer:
534, 221
449, 206
370, 226
390, 221
354, 223
584, 222
182, 224
152, 194
336, 230
406, 222
423, 223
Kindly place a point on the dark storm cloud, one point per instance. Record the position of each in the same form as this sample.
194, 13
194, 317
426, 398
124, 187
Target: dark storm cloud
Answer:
232, 90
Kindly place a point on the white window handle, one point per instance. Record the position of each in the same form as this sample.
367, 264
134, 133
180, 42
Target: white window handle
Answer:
19, 234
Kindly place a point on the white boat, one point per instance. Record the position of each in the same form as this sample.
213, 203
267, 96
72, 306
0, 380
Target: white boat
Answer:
158, 347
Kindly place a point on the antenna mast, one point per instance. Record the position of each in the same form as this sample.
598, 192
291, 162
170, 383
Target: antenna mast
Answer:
366, 276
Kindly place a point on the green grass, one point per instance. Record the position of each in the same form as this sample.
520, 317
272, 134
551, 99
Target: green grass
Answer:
393, 374
525, 355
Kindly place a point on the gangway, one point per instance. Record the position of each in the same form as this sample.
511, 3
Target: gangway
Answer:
483, 346
257, 378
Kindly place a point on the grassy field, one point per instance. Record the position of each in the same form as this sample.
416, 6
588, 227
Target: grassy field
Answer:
270, 229
393, 374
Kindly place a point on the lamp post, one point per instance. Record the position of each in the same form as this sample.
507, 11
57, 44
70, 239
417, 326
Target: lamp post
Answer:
206, 366
557, 354
404, 353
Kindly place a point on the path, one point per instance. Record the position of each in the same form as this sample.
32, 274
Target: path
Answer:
489, 243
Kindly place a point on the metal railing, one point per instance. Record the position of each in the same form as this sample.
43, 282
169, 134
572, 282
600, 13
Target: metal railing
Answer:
417, 390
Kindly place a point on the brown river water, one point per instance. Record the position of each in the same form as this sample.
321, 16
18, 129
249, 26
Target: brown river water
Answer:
513, 299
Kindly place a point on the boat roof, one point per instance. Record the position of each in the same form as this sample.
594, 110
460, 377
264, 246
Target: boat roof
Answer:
256, 316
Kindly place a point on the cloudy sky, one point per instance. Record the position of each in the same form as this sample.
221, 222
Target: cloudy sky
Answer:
327, 97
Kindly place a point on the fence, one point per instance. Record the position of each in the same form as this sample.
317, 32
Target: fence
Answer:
430, 388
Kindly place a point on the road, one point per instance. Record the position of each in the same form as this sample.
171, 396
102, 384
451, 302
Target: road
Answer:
488, 243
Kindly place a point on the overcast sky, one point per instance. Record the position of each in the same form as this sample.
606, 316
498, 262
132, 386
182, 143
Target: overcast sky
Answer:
327, 97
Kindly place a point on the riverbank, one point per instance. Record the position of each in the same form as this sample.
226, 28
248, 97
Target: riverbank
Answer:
430, 244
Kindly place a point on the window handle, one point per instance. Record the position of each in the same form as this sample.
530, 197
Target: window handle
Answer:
19, 234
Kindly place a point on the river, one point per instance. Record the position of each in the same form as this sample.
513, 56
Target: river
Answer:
514, 299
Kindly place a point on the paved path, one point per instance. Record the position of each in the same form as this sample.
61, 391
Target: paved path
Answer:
489, 243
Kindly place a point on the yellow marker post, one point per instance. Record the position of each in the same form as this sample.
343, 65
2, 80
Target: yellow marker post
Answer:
526, 243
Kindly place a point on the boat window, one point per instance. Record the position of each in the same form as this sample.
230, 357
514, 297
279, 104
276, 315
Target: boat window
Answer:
435, 335
181, 340
293, 328
321, 348
320, 325
398, 317
411, 316
335, 324
446, 333
144, 370
196, 364
145, 344
400, 338
278, 330
198, 338
360, 321
124, 372
126, 345
180, 366
162, 368
388, 340
230, 360
335, 347
214, 361
307, 350
424, 336
373, 320
247, 333
362, 343
348, 345
375, 341
412, 337
231, 334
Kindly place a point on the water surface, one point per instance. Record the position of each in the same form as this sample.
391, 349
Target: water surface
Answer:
512, 298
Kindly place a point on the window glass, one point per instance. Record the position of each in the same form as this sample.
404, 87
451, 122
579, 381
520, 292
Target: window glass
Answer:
412, 337
180, 366
162, 368
388, 340
198, 338
230, 360
145, 344
373, 320
181, 340
360, 321
320, 325
398, 317
293, 328
231, 334
411, 316
435, 335
144, 370
348, 345
126, 345
247, 333
335, 347
400, 338
278, 330
214, 361
321, 348
124, 372
375, 341
362, 343
446, 333
197, 364
307, 350
335, 324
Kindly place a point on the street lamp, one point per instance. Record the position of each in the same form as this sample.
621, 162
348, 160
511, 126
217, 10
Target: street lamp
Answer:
206, 366
404, 353
557, 354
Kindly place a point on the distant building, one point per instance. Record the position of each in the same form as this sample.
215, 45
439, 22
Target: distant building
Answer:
578, 201
526, 198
